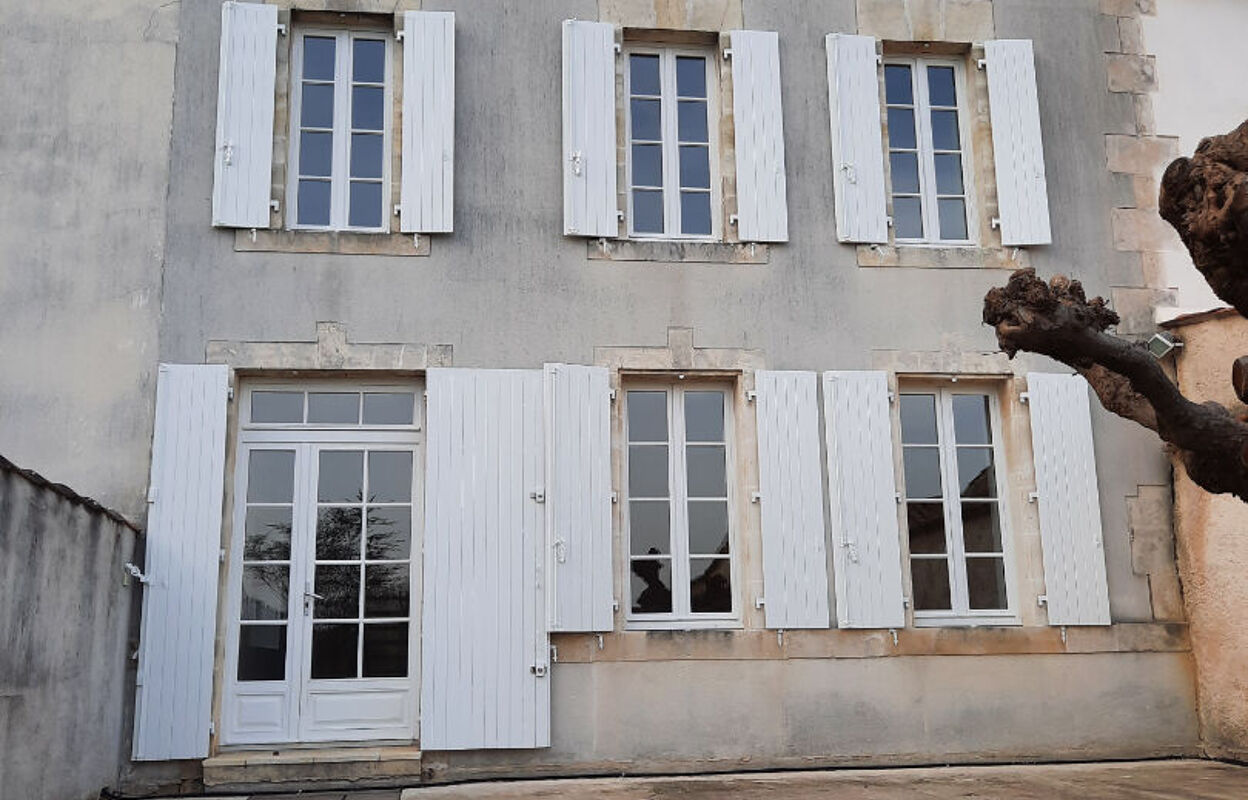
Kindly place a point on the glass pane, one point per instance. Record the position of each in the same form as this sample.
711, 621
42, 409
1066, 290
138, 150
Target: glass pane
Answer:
918, 418
333, 650
267, 536
907, 218
695, 167
922, 472
975, 472
985, 583
368, 108
929, 581
691, 121
390, 476
338, 534
710, 585
926, 523
945, 130
647, 211
708, 527
952, 218
368, 64
905, 171
647, 165
389, 408
898, 89
317, 106
318, 58
690, 76
341, 475
262, 653
649, 528
948, 173
334, 407
386, 591
695, 213
270, 476
940, 86
706, 471
385, 650
264, 592
647, 416
704, 416
366, 155
970, 419
647, 471
389, 533
316, 153
313, 202
339, 588
644, 74
651, 585
645, 117
981, 527
901, 134
277, 406
365, 211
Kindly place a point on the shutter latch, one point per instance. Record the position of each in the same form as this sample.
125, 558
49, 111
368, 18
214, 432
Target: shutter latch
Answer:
539, 670
578, 160
538, 495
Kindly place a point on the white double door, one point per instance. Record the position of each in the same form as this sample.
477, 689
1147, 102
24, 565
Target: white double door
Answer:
322, 642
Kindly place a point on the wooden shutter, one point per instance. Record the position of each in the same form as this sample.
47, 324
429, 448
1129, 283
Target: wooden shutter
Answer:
1070, 505
589, 201
243, 166
578, 496
795, 569
173, 702
485, 653
427, 192
762, 213
1022, 192
857, 139
866, 549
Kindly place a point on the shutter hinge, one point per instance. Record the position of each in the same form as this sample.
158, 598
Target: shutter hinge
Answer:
892, 397
1063, 634
755, 497
275, 205
151, 494
1024, 397
221, 556
398, 209
134, 572
212, 728
615, 605
554, 654
619, 215
889, 221
996, 223
538, 495
905, 601
759, 602
615, 498
1033, 497
982, 63
751, 396
398, 35
617, 48
897, 497
1042, 600
732, 219
539, 670
727, 53
879, 60
229, 393
281, 28
611, 393
893, 631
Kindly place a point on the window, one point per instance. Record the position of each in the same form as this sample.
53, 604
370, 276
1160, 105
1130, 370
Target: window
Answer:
954, 515
340, 131
926, 151
679, 503
669, 143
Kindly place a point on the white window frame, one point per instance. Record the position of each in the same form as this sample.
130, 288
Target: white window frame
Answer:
681, 617
955, 553
927, 162
671, 144
340, 179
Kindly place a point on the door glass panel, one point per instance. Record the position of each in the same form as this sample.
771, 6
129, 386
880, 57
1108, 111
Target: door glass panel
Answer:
318, 58
388, 408
926, 522
695, 213
929, 579
368, 61
341, 475
975, 472
918, 418
644, 74
267, 536
908, 217
265, 590
708, 527
985, 583
339, 588
389, 533
940, 86
707, 476
690, 76
710, 585
385, 650
389, 477
649, 525
647, 416
897, 85
386, 590
272, 407
970, 419
646, 120
338, 534
952, 218
271, 476
691, 121
335, 648
647, 471
262, 653
365, 199
651, 585
981, 527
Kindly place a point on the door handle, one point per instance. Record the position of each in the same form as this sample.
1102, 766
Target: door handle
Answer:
312, 596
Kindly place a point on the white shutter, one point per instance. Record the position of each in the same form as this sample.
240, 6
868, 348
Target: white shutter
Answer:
243, 165
762, 213
795, 569
173, 702
1069, 504
589, 202
866, 546
578, 496
1022, 192
857, 139
427, 191
484, 658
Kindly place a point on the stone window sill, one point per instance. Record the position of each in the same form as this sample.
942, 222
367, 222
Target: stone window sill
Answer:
937, 257
677, 252
330, 243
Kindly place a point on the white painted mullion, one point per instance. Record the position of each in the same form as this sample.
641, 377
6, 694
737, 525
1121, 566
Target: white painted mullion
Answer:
342, 132
953, 499
927, 160
296, 114
671, 150
681, 604
302, 552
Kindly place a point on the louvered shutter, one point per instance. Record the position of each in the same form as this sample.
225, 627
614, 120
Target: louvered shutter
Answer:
1022, 191
173, 701
1069, 503
578, 496
589, 201
762, 210
857, 139
246, 83
795, 569
866, 548
427, 192
484, 656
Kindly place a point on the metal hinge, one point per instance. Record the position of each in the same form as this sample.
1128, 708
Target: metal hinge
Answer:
1042, 600
995, 223
229, 393
281, 28
756, 497
539, 670
1033, 497
615, 498
727, 53
751, 396
151, 494
759, 602
212, 728
982, 63
612, 394
133, 571
539, 495
398, 35
275, 205
1024, 397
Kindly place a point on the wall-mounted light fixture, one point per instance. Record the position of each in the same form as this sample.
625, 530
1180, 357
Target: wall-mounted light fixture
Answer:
1162, 345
